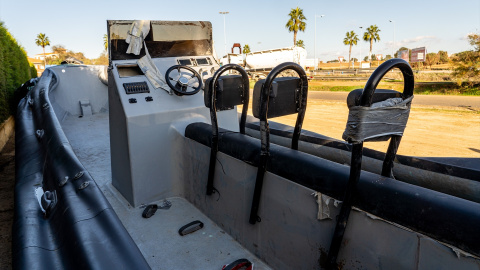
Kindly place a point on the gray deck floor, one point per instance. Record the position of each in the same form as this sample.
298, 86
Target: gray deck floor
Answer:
156, 237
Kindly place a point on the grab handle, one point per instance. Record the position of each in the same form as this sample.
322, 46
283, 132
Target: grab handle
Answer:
380, 72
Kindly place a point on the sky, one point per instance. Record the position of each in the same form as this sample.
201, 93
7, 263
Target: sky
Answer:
80, 25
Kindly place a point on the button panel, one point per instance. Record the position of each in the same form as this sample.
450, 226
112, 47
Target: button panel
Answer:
136, 88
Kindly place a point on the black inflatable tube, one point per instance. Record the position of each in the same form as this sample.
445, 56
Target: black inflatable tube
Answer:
446, 218
83, 231
314, 138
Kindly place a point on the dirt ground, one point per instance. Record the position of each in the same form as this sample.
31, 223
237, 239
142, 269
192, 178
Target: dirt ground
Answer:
431, 131
7, 183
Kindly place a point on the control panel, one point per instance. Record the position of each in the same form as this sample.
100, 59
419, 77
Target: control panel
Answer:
136, 88
140, 97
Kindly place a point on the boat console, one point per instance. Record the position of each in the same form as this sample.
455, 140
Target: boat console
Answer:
153, 95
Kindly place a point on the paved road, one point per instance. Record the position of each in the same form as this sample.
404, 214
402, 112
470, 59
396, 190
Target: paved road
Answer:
427, 100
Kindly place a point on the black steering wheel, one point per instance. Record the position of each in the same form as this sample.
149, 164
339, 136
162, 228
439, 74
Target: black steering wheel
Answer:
182, 82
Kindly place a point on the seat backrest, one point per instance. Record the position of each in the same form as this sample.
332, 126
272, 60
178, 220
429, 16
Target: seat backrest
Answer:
277, 97
284, 97
229, 92
378, 114
353, 98
225, 92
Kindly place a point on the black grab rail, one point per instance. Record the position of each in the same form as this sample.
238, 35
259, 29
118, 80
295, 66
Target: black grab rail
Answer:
367, 96
264, 131
365, 100
212, 101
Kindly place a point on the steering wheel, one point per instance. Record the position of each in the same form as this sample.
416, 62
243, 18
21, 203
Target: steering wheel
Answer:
182, 81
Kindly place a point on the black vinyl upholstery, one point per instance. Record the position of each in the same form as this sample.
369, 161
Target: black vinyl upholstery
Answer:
83, 231
229, 94
284, 97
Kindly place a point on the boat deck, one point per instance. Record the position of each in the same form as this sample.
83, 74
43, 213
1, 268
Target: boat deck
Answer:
156, 237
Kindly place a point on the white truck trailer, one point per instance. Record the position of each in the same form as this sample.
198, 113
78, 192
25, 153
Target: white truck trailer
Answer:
259, 63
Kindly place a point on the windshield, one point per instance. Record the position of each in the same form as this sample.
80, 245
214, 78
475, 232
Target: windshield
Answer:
165, 39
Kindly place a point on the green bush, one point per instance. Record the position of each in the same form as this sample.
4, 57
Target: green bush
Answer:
33, 71
14, 70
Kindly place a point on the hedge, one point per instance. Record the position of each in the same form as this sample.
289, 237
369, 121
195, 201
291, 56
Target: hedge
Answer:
14, 71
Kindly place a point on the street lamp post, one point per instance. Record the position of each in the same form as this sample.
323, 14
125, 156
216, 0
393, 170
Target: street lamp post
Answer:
360, 47
224, 29
393, 47
315, 64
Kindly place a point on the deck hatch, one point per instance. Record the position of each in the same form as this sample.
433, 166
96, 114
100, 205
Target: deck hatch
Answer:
125, 71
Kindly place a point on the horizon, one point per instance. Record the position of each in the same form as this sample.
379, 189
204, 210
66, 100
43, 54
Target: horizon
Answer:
440, 27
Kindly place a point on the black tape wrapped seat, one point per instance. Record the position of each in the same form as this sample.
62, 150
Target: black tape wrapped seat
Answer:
367, 123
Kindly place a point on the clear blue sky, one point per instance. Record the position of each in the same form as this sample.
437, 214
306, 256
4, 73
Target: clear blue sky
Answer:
80, 25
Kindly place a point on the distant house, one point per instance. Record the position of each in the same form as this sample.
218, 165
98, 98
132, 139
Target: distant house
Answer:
38, 65
48, 55
37, 61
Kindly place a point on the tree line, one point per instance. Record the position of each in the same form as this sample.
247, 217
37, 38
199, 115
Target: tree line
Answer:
14, 70
467, 63
64, 55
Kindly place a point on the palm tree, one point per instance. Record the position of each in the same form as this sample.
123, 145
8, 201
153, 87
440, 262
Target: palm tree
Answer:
371, 35
246, 49
350, 39
300, 43
296, 23
42, 40
105, 42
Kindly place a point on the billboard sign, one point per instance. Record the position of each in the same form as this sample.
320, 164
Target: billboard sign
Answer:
403, 55
366, 65
418, 55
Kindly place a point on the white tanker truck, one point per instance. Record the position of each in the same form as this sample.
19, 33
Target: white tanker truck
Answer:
259, 64
271, 58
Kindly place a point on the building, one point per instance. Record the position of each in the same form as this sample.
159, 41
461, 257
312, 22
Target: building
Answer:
37, 61
39, 65
47, 55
